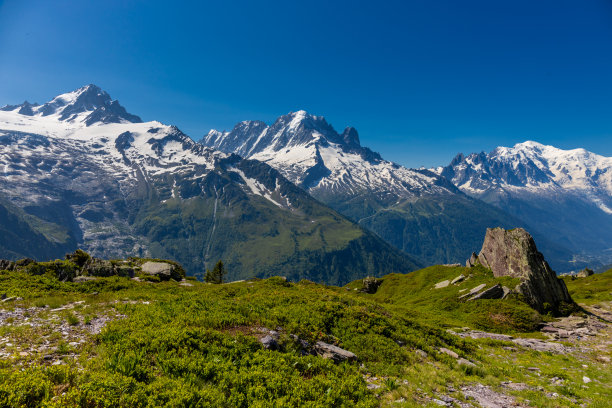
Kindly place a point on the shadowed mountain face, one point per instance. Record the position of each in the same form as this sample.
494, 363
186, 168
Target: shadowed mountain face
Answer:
416, 211
79, 171
563, 194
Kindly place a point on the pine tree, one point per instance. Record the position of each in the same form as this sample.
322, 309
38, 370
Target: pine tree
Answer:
217, 274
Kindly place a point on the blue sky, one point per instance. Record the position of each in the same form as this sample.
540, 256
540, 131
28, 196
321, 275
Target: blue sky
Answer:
420, 80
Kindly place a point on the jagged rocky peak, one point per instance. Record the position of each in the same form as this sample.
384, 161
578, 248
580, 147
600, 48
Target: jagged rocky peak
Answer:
514, 253
88, 104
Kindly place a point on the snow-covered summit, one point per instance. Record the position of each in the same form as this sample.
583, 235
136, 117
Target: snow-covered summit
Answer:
532, 165
311, 153
87, 105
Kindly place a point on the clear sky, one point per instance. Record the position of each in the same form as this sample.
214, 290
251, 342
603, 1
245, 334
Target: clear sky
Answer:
420, 80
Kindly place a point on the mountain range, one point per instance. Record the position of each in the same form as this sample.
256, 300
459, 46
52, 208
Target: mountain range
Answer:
294, 198
80, 171
416, 210
567, 193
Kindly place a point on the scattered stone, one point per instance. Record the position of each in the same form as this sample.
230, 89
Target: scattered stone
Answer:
458, 279
440, 402
449, 352
585, 273
185, 283
507, 291
586, 379
442, 284
332, 352
472, 261
372, 386
487, 397
533, 369
533, 344
9, 299
421, 353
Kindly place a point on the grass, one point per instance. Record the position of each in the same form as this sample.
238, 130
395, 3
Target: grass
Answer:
593, 289
171, 345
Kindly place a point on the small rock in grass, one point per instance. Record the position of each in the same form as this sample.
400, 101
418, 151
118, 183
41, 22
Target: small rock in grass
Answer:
457, 279
442, 284
586, 379
463, 361
449, 352
335, 353
269, 343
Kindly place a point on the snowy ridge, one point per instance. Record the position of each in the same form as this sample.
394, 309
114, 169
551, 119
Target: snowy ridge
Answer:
309, 152
87, 105
536, 168
57, 144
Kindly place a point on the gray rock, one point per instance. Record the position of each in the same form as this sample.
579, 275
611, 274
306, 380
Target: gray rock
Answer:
332, 352
442, 284
472, 261
507, 291
421, 353
449, 352
163, 270
474, 290
269, 342
458, 279
463, 361
494, 292
82, 279
514, 253
585, 273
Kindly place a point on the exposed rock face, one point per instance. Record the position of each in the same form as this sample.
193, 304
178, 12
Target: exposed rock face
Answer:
585, 273
514, 253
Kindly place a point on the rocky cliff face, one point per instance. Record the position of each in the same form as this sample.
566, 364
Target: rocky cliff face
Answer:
514, 253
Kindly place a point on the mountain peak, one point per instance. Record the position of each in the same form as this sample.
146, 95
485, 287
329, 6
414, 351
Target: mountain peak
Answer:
88, 104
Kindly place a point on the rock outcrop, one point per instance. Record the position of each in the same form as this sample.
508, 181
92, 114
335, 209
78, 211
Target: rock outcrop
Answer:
514, 253
585, 273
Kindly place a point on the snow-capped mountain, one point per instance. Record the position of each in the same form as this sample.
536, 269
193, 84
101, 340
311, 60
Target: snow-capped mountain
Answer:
87, 105
567, 193
417, 211
308, 151
80, 170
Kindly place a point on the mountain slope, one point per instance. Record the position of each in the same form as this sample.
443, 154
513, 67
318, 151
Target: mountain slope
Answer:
566, 194
121, 187
416, 211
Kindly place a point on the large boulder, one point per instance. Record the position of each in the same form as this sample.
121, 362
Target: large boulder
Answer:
514, 253
163, 270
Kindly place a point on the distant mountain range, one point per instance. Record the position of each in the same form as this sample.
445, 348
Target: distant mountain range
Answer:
79, 171
565, 193
294, 198
417, 211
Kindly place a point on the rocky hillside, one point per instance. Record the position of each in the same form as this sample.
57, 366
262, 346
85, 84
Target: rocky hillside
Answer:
565, 194
416, 211
84, 172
